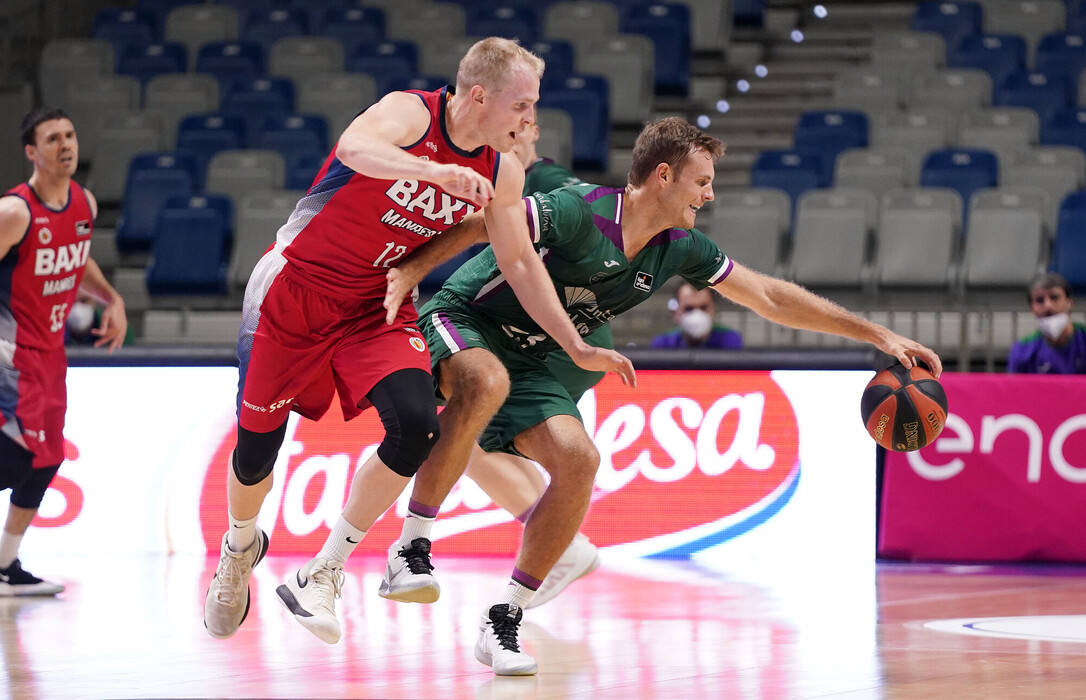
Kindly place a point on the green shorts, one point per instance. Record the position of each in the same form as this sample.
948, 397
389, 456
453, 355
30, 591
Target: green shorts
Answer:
541, 386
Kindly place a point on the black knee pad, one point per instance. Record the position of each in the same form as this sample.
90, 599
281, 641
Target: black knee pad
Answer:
30, 493
405, 402
254, 457
15, 463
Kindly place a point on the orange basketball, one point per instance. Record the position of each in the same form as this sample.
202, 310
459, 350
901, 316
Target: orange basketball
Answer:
903, 410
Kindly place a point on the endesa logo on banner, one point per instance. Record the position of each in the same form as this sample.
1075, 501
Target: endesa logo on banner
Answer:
732, 468
1005, 481
686, 462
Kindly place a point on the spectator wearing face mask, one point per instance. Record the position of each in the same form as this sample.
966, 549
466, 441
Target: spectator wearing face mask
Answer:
1058, 346
693, 311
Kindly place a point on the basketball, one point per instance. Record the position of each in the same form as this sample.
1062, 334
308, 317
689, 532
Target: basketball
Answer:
904, 409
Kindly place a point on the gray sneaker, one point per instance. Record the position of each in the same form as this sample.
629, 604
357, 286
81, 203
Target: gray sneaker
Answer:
310, 595
227, 601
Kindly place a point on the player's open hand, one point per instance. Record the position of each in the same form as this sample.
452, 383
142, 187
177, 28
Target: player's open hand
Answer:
909, 351
603, 360
465, 183
114, 326
401, 283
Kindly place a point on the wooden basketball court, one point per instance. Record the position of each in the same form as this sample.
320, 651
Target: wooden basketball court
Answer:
633, 629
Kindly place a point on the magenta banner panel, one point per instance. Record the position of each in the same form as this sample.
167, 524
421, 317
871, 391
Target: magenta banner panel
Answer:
1006, 480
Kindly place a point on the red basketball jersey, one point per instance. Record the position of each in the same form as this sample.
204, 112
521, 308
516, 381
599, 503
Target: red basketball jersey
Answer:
40, 276
349, 229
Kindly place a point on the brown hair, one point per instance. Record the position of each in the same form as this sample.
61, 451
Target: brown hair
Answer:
669, 140
489, 61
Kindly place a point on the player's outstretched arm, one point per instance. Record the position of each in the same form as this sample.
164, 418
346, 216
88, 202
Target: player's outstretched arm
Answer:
402, 279
373, 145
791, 305
507, 226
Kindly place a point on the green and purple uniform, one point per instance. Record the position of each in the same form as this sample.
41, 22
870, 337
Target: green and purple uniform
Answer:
578, 233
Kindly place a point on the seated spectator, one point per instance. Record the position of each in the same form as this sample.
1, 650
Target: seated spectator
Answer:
693, 310
1058, 346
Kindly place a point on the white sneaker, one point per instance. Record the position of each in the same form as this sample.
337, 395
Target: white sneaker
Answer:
310, 594
227, 601
580, 559
407, 574
498, 647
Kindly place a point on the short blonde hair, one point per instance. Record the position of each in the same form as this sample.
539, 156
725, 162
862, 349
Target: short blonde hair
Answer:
489, 61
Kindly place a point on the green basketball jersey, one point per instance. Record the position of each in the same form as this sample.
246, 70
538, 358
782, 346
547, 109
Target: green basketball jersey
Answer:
578, 233
545, 175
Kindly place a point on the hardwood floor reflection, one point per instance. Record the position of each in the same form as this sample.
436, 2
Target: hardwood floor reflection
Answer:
633, 629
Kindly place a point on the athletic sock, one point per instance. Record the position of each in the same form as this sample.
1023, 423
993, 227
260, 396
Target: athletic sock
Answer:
341, 541
242, 534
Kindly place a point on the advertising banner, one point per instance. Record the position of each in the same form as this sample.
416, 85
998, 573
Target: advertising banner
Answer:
767, 466
1006, 480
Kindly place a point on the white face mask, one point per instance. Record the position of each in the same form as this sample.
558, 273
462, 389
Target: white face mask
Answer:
1053, 326
696, 324
81, 318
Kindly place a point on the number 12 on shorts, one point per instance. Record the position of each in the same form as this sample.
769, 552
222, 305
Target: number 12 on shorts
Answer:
390, 247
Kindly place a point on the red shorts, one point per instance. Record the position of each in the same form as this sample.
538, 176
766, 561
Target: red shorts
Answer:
301, 346
35, 395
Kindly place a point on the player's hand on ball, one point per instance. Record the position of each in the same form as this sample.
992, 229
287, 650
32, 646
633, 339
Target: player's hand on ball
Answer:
908, 351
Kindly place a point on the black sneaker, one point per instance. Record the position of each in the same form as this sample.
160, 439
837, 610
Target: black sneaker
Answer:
15, 580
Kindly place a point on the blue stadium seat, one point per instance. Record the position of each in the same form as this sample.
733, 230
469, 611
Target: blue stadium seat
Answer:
794, 172
827, 133
255, 100
354, 27
204, 135
191, 246
294, 137
319, 10
265, 28
158, 9
558, 55
152, 179
503, 20
419, 81
998, 54
231, 60
586, 99
386, 62
668, 25
1062, 55
952, 20
1065, 128
1037, 91
245, 7
147, 61
748, 13
124, 28
1069, 248
300, 176
960, 169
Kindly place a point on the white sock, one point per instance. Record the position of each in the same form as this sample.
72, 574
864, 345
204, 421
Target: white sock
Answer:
242, 534
341, 541
9, 548
414, 527
518, 594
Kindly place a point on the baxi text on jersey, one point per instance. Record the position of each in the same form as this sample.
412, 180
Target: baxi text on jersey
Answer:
62, 259
430, 202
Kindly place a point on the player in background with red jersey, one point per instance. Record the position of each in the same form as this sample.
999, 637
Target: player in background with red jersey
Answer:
45, 232
405, 170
